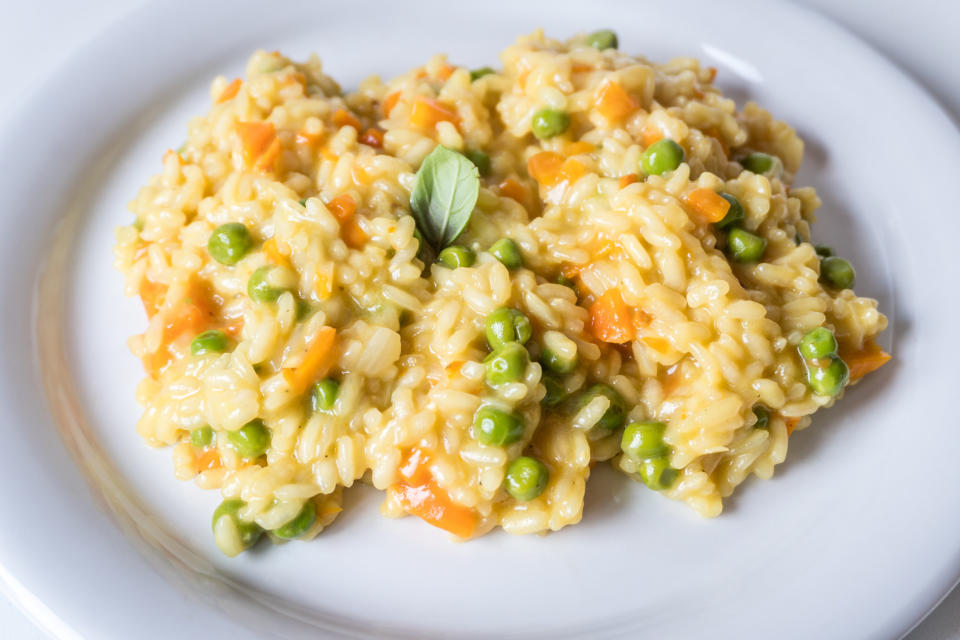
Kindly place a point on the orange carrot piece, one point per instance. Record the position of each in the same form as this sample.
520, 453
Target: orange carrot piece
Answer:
427, 112
791, 424
372, 138
273, 254
268, 158
151, 294
627, 180
444, 72
432, 505
708, 204
713, 74
657, 343
415, 467
342, 207
316, 363
209, 459
544, 167
611, 320
256, 138
230, 90
650, 134
308, 138
571, 171
343, 118
390, 102
510, 188
614, 103
578, 147
865, 360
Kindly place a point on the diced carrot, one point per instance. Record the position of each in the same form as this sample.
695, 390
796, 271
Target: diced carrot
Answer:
578, 147
256, 138
545, 166
390, 102
657, 343
194, 314
614, 103
316, 363
230, 90
650, 134
510, 188
571, 271
354, 236
708, 204
209, 459
864, 360
360, 175
571, 171
273, 254
444, 72
308, 138
268, 158
342, 207
372, 138
427, 112
432, 504
343, 118
415, 466
627, 180
791, 424
713, 74
611, 320
151, 294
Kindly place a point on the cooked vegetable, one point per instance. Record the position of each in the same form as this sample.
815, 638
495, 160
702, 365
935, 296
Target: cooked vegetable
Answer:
660, 157
444, 195
506, 364
559, 353
229, 243
603, 39
476, 74
421, 496
828, 380
865, 360
745, 246
497, 427
615, 415
427, 112
734, 216
710, 205
837, 273
456, 256
548, 123
761, 163
506, 251
213, 341
644, 440
818, 343
230, 90
657, 474
259, 289
201, 437
480, 159
323, 394
614, 103
823, 251
507, 325
316, 362
763, 417
232, 534
526, 478
300, 523
251, 440
555, 392
611, 320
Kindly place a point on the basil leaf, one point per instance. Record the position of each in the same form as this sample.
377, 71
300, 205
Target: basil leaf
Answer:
444, 195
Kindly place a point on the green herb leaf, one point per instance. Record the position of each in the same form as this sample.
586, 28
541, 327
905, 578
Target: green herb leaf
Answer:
444, 195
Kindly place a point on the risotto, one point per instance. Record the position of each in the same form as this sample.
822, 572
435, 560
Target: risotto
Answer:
467, 287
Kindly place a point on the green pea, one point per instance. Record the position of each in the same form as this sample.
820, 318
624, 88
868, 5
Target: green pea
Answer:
556, 393
615, 415
229, 243
300, 523
259, 289
837, 273
249, 532
507, 325
735, 213
657, 474
213, 341
662, 156
497, 427
526, 478
303, 309
480, 159
323, 394
567, 282
829, 380
760, 163
456, 256
643, 440
745, 246
201, 437
818, 343
251, 440
559, 353
548, 123
823, 251
603, 39
303, 202
479, 73
506, 364
506, 251
763, 417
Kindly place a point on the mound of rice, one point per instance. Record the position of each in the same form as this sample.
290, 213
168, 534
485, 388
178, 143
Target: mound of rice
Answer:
322, 180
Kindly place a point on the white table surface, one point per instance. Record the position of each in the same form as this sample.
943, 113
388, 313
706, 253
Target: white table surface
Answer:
919, 36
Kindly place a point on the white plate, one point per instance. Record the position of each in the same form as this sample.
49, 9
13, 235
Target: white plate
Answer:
857, 536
